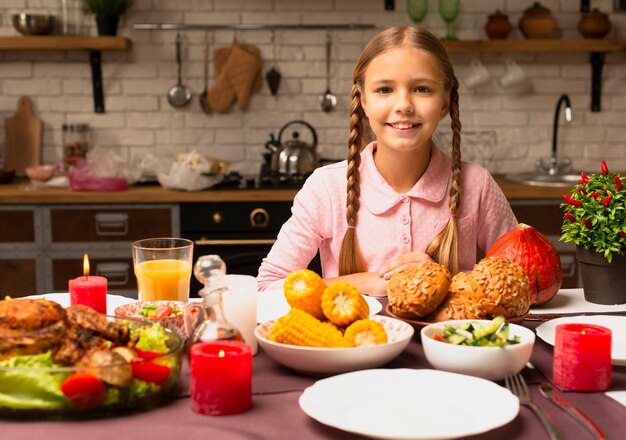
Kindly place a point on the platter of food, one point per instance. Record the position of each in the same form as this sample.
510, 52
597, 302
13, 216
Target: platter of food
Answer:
63, 298
77, 363
333, 360
617, 325
402, 404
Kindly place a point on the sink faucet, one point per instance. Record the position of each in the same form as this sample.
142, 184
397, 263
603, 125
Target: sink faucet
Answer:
553, 167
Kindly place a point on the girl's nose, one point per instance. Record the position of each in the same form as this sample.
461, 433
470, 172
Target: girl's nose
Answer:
404, 104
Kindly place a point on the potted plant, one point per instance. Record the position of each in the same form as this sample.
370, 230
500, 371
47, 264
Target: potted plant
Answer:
107, 13
595, 220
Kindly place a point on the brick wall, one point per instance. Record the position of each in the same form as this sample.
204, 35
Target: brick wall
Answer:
139, 119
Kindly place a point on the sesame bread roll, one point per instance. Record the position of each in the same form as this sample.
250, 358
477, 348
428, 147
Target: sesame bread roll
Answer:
417, 291
460, 302
501, 287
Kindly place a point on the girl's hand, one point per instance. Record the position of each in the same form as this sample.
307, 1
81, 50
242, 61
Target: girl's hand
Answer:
401, 262
368, 283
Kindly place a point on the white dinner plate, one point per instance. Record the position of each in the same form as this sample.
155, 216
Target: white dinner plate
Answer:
402, 404
617, 324
113, 301
272, 304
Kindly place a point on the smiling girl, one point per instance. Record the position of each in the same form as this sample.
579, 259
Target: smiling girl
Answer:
406, 201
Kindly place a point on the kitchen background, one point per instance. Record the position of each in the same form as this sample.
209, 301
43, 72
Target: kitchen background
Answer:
139, 120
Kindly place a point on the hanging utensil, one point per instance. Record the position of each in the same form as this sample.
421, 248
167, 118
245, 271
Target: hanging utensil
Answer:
179, 95
328, 101
204, 103
273, 76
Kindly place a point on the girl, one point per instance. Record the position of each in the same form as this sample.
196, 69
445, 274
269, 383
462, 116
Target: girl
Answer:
406, 201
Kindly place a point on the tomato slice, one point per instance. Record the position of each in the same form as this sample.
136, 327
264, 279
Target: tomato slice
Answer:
84, 390
147, 354
438, 337
164, 312
150, 371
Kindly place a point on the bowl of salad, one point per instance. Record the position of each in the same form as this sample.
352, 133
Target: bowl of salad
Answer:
77, 363
490, 349
170, 314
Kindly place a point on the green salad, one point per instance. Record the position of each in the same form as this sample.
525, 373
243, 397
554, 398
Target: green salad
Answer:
36, 382
494, 334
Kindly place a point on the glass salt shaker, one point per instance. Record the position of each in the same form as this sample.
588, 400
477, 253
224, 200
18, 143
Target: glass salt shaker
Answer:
211, 323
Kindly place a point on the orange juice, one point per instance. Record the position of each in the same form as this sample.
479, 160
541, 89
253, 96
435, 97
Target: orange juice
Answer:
163, 279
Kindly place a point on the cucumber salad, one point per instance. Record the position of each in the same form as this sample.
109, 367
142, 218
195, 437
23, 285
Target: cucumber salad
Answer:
475, 334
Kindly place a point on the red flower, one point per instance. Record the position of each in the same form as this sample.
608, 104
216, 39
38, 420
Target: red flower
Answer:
587, 223
571, 201
570, 217
618, 183
607, 200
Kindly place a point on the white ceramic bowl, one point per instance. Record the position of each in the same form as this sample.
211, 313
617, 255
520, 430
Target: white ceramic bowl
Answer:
325, 361
493, 363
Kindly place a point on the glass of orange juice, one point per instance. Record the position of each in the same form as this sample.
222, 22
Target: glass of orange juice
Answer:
163, 268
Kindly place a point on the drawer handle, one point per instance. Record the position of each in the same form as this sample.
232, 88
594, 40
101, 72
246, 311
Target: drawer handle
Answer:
111, 224
117, 274
258, 242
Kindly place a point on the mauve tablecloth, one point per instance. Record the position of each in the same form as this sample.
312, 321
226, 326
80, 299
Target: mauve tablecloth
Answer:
276, 414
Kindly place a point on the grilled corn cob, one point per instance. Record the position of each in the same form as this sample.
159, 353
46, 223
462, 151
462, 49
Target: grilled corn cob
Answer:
299, 328
365, 332
343, 304
303, 290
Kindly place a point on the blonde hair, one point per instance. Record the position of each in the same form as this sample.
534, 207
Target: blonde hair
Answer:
444, 247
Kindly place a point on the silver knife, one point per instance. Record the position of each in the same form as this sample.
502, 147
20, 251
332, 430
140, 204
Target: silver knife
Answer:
554, 395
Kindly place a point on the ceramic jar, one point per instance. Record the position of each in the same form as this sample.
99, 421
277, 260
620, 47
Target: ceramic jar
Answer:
594, 24
498, 26
537, 22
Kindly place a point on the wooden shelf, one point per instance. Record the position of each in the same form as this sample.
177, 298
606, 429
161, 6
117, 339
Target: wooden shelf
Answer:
580, 45
94, 45
64, 43
597, 50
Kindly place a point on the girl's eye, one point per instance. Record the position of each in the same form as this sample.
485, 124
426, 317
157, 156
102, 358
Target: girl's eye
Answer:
422, 89
383, 90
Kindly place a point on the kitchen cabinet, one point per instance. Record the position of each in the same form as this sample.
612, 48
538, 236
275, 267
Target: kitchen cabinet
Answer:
596, 48
94, 45
546, 217
42, 247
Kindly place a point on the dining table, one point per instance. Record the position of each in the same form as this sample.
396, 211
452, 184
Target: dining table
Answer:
275, 412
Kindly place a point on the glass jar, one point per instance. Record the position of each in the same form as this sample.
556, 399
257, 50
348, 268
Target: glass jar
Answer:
76, 140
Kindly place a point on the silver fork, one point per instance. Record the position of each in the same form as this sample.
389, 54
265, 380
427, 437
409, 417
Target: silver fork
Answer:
517, 385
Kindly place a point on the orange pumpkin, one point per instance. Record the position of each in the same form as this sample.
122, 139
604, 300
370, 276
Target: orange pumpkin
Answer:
538, 257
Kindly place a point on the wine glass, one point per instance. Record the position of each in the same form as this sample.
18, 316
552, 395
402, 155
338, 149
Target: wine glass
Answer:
449, 11
417, 9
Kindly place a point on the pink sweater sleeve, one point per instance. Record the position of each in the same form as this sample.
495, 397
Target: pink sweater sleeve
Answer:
299, 238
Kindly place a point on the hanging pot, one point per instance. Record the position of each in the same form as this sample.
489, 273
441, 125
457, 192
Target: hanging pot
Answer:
273, 76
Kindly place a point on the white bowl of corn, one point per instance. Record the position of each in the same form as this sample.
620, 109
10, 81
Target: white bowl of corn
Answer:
321, 361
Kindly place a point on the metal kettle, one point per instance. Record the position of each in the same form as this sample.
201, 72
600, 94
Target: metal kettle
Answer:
297, 158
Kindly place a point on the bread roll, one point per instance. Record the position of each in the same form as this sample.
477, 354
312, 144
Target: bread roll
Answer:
417, 291
460, 302
501, 287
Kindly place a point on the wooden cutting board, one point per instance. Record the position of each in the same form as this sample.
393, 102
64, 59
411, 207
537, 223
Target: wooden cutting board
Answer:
22, 146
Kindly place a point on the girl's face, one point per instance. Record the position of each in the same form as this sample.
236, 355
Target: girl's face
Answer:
404, 99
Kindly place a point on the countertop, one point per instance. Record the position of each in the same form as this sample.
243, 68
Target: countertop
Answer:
19, 193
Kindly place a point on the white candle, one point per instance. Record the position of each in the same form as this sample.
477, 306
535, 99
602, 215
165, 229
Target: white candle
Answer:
239, 304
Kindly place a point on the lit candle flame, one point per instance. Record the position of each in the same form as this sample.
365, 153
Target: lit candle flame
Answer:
221, 354
582, 332
85, 265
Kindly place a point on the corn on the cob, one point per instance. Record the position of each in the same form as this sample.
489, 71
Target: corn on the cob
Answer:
343, 304
299, 328
303, 289
365, 332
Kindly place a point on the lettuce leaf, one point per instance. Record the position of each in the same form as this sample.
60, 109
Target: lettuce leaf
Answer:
26, 383
151, 338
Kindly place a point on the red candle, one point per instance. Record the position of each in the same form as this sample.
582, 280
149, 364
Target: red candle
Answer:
89, 290
221, 377
582, 357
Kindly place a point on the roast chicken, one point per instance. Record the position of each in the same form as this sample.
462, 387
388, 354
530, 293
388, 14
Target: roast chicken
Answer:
30, 326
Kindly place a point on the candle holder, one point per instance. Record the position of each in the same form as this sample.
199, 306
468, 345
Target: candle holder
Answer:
582, 357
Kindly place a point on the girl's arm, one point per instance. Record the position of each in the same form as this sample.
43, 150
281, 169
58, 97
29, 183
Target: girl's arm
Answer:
368, 283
